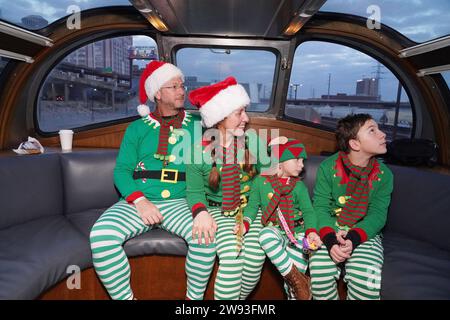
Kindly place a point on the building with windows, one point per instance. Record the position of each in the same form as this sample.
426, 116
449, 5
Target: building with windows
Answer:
367, 87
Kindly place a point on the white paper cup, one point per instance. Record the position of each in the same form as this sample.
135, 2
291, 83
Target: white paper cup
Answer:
66, 137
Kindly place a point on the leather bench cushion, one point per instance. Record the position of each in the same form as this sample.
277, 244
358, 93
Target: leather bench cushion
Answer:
420, 206
35, 255
414, 270
31, 187
152, 242
88, 179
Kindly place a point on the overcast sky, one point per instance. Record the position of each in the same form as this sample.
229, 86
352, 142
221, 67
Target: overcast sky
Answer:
419, 20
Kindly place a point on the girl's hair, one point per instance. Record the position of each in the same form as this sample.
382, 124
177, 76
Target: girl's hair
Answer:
249, 167
347, 129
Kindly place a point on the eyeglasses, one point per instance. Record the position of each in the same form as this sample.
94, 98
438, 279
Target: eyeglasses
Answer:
175, 87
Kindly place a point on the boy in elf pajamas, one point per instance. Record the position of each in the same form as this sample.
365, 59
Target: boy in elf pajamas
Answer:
351, 199
288, 216
152, 184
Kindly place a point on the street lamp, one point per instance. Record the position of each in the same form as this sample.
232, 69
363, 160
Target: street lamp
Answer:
295, 85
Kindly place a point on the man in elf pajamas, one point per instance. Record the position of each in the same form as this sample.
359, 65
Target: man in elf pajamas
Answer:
351, 199
288, 215
152, 184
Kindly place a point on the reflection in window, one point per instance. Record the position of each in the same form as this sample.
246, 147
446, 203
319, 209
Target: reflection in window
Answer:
418, 20
34, 15
3, 63
329, 81
96, 83
446, 75
253, 69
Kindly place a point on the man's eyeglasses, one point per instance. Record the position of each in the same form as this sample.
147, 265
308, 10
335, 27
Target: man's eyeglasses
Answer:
175, 87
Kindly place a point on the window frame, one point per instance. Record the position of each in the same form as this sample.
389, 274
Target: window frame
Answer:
281, 49
62, 54
372, 52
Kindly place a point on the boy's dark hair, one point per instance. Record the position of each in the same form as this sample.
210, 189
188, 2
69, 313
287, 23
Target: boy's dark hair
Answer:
348, 127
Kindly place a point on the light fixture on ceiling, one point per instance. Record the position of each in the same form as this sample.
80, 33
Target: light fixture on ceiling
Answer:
296, 23
151, 14
303, 14
16, 56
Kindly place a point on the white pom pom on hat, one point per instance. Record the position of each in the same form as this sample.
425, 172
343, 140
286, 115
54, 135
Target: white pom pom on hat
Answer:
143, 110
155, 75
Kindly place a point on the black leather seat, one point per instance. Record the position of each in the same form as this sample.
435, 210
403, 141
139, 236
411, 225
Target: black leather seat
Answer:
49, 203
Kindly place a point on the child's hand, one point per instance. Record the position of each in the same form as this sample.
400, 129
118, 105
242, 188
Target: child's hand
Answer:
338, 255
347, 247
340, 235
238, 227
314, 241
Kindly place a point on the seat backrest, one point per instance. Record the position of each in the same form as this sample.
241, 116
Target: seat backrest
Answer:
310, 172
420, 206
88, 179
30, 187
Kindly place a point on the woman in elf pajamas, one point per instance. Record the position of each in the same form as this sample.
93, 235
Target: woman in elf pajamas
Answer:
288, 216
152, 184
351, 199
218, 186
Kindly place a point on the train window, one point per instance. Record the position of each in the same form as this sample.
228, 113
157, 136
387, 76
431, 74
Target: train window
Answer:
3, 63
254, 69
96, 83
329, 81
446, 75
34, 15
418, 20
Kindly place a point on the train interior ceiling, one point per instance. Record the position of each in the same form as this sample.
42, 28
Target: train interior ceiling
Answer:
304, 63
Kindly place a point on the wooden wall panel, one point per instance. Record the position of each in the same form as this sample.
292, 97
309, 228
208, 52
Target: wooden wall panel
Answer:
315, 140
161, 278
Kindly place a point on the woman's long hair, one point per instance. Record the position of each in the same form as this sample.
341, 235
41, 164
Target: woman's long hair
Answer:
249, 167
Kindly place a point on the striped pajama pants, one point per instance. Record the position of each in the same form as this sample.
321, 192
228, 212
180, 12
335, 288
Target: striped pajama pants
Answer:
121, 222
283, 256
237, 275
362, 272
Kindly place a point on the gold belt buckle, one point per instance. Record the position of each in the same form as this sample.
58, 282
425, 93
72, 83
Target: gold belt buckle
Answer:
164, 175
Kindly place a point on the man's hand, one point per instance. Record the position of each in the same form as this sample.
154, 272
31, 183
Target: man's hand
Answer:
148, 212
204, 226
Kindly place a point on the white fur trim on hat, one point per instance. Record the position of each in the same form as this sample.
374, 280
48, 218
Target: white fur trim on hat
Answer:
143, 110
159, 77
223, 104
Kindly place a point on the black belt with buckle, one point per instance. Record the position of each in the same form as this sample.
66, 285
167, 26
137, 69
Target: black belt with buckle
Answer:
164, 175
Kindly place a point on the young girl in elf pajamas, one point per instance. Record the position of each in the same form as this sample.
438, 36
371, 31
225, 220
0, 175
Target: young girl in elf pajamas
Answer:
152, 185
351, 199
288, 216
218, 187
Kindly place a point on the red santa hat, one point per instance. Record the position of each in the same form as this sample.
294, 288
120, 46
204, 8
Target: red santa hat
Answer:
155, 75
217, 101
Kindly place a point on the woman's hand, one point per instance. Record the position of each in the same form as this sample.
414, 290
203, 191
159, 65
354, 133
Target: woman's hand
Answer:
204, 227
148, 212
239, 226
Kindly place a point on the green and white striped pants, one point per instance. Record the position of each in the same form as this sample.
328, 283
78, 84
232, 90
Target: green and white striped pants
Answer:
121, 222
277, 248
237, 275
362, 272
